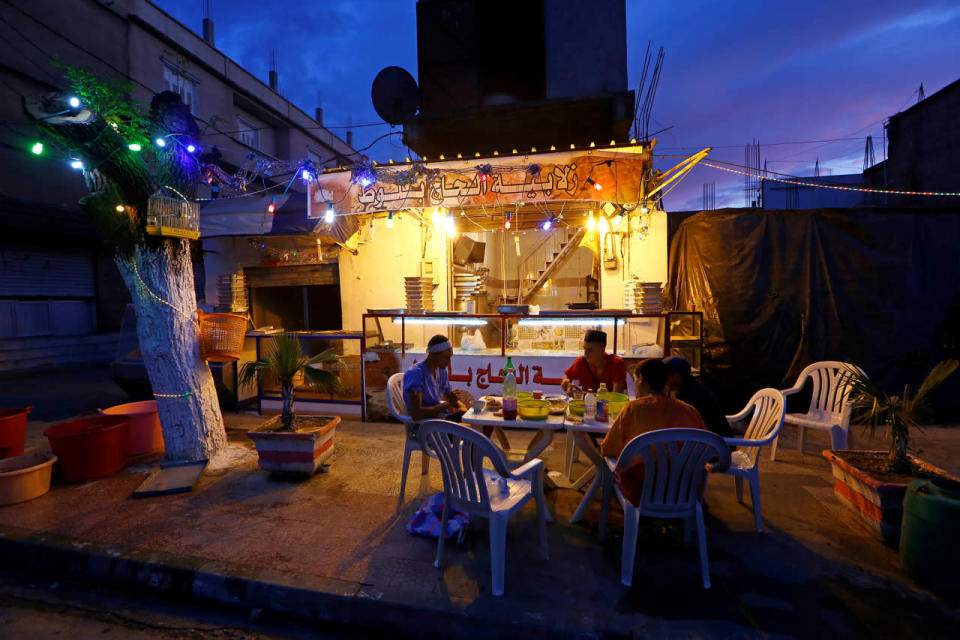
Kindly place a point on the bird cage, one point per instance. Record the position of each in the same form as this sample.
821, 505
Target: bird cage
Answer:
173, 217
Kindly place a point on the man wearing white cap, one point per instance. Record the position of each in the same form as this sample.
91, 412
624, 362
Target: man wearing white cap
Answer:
426, 385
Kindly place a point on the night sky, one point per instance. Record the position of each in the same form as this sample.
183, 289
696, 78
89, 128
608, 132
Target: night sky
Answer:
778, 72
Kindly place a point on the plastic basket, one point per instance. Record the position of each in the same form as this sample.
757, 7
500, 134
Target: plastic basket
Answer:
221, 336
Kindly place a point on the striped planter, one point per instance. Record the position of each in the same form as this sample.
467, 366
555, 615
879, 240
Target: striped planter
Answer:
299, 452
879, 504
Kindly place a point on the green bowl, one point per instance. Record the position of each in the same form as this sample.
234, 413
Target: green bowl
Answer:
575, 407
614, 408
524, 395
533, 409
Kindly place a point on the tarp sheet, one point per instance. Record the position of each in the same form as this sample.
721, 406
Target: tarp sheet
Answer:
782, 289
247, 216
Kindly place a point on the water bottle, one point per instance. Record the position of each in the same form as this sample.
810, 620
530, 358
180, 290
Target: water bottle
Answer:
509, 392
589, 407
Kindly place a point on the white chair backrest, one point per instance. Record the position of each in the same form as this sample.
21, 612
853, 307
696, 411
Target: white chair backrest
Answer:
769, 408
674, 466
461, 451
398, 406
829, 390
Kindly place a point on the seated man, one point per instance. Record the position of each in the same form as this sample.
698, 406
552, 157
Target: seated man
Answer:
684, 387
651, 410
426, 385
595, 366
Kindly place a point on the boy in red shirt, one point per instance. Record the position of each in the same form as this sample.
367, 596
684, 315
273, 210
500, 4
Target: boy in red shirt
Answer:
595, 366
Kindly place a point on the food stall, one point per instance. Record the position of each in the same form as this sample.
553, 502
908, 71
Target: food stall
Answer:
510, 254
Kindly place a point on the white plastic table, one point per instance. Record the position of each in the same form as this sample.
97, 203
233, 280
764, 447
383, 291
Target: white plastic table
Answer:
581, 437
541, 440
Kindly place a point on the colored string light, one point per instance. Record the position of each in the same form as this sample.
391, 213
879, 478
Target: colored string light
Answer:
185, 394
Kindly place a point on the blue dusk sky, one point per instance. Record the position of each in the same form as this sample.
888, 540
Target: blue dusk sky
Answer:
787, 74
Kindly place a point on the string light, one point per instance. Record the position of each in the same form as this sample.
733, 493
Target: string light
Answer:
191, 148
329, 215
547, 224
76, 164
74, 102
185, 394
506, 223
801, 183
37, 148
134, 146
161, 142
593, 183
617, 219
272, 207
390, 220
120, 208
306, 175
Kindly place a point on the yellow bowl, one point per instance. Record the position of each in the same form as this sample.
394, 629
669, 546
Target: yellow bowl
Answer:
533, 409
575, 407
524, 395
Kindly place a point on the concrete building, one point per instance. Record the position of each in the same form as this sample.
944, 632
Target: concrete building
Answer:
501, 74
61, 299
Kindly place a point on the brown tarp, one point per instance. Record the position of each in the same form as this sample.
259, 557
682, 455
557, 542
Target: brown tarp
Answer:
782, 289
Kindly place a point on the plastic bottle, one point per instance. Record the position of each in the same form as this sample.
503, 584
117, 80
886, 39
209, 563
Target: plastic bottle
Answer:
602, 402
509, 392
589, 407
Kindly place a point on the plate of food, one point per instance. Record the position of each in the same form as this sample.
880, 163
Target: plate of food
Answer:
493, 402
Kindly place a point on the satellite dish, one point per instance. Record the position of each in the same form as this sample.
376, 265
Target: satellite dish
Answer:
395, 95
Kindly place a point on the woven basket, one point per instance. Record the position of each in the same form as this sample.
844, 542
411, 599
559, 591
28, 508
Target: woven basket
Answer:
221, 336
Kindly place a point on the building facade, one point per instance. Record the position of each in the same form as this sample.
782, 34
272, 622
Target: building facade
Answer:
61, 300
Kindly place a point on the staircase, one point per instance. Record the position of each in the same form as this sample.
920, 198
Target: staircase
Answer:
560, 255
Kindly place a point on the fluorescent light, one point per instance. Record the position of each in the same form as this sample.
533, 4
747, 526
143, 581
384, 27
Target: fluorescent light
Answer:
460, 322
576, 322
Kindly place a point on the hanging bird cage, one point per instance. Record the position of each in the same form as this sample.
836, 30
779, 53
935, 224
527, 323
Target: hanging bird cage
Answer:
221, 336
174, 217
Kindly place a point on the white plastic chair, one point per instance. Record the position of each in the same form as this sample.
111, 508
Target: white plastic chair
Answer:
675, 475
765, 410
398, 407
829, 406
471, 488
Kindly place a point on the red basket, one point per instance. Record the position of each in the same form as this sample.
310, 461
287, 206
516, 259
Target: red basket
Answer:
221, 336
90, 447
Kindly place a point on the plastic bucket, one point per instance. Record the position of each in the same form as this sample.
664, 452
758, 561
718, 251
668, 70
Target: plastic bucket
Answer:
13, 430
90, 447
25, 477
144, 434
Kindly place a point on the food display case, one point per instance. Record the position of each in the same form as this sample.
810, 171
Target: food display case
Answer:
540, 346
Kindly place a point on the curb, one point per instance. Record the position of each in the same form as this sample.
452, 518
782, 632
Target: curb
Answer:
313, 598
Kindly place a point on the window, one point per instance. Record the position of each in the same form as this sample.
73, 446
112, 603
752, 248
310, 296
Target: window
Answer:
248, 133
179, 81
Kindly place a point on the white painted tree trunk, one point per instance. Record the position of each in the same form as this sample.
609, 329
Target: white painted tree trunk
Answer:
192, 424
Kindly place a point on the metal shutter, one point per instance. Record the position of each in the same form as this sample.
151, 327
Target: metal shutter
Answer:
45, 272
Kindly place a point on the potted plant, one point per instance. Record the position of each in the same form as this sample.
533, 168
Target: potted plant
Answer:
287, 443
873, 483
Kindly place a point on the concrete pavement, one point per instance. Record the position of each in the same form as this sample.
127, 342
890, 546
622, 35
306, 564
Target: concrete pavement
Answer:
334, 548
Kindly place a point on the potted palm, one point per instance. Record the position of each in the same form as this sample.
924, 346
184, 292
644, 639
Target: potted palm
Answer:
288, 443
873, 483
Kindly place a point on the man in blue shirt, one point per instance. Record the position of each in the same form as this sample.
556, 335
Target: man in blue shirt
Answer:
426, 385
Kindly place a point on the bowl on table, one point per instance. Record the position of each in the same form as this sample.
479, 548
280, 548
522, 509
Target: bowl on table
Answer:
575, 407
533, 409
615, 403
524, 395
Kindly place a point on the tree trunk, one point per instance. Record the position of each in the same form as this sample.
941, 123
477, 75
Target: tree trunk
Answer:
192, 424
287, 416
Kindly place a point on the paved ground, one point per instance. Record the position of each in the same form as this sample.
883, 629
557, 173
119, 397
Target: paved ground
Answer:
335, 547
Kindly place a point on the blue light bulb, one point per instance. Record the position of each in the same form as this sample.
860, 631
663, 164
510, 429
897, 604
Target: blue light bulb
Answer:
161, 142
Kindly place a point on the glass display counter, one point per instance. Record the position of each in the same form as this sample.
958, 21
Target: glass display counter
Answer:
540, 346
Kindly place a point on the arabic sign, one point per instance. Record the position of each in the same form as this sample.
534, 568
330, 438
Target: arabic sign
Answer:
560, 176
480, 372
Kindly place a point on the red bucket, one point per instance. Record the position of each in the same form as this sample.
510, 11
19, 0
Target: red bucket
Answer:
144, 434
13, 430
90, 447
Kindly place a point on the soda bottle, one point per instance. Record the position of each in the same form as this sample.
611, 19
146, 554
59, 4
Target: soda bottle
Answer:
509, 392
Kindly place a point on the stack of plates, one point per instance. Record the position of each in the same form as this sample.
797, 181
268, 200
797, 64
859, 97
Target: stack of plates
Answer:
231, 294
419, 294
649, 297
466, 285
